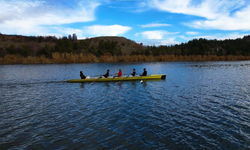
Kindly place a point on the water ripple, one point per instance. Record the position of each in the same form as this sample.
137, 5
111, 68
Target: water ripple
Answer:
202, 105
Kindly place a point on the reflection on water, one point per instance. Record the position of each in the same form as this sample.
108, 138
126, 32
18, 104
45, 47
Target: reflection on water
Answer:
107, 84
82, 85
200, 105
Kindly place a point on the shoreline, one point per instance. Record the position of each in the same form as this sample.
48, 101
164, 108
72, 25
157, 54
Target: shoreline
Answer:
64, 58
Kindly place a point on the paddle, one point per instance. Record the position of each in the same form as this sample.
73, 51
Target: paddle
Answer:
116, 76
141, 79
95, 80
113, 78
124, 78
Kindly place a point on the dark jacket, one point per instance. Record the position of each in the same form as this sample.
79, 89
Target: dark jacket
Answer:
82, 76
133, 74
106, 75
144, 73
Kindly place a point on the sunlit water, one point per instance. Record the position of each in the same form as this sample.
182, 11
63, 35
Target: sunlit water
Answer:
200, 105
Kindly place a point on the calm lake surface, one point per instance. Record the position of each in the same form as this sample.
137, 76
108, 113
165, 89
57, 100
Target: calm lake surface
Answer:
200, 105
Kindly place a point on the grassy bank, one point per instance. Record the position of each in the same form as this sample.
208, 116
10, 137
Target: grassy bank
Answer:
58, 58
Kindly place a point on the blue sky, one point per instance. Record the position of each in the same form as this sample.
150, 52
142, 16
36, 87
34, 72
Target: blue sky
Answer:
158, 22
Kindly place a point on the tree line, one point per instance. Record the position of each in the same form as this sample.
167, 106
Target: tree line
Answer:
240, 46
46, 46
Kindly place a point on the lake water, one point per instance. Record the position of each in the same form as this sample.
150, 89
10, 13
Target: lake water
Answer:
200, 105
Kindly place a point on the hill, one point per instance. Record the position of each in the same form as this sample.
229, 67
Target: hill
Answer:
114, 45
16, 49
37, 46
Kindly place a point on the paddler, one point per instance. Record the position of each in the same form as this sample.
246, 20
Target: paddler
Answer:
144, 72
82, 75
107, 74
119, 74
133, 74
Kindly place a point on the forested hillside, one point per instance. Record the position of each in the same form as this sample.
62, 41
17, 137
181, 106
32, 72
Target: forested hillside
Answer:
240, 46
37, 46
113, 49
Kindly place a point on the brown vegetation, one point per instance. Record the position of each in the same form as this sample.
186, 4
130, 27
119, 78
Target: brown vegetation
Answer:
58, 58
15, 49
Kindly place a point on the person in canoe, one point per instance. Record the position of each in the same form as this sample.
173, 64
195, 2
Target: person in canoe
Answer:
119, 74
133, 74
144, 72
82, 75
107, 74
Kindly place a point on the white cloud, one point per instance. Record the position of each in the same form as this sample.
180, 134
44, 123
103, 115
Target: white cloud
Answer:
192, 33
155, 25
31, 16
67, 31
158, 37
95, 30
158, 42
153, 34
157, 34
218, 14
209, 9
173, 39
219, 36
238, 21
170, 41
106, 30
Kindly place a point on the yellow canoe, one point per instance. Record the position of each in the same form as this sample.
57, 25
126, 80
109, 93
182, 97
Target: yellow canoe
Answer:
123, 78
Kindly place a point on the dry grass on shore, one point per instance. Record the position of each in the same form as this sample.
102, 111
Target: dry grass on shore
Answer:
58, 58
